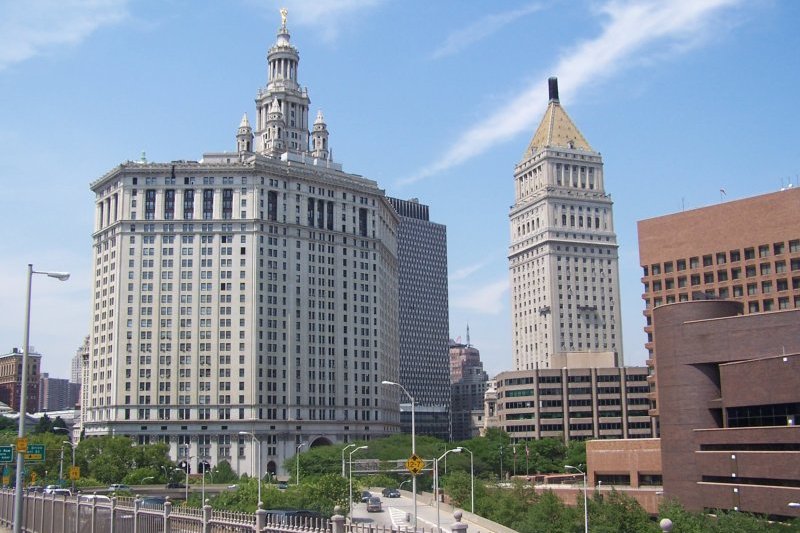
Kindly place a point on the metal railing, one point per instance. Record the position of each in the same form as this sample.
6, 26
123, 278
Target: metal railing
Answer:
90, 513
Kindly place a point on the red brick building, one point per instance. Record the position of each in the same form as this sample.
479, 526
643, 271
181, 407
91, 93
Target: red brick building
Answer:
729, 404
745, 250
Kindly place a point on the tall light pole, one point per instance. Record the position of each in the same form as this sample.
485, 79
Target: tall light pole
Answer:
471, 480
297, 462
343, 449
436, 483
413, 445
351, 478
61, 459
186, 470
23, 391
258, 451
73, 446
585, 499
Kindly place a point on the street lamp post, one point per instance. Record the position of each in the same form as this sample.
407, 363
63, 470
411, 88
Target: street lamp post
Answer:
186, 471
585, 499
258, 450
436, 483
351, 477
413, 445
297, 462
73, 446
23, 391
471, 480
344, 474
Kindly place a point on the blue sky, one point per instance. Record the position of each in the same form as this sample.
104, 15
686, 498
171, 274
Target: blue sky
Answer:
434, 100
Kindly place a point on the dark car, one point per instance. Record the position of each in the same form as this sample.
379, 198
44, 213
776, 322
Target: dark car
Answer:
283, 485
374, 505
391, 493
365, 496
152, 502
176, 486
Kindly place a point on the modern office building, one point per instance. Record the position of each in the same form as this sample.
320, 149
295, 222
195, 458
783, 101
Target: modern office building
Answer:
748, 251
729, 406
248, 302
570, 404
76, 365
468, 383
563, 263
56, 394
11, 379
424, 318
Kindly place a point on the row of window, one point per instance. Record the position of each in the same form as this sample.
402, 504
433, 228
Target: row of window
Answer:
733, 256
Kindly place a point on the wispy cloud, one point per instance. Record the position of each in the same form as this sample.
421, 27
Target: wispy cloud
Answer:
29, 29
468, 270
487, 26
632, 32
487, 299
329, 17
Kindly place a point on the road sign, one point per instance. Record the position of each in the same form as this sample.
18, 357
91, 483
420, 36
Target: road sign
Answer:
6, 480
33, 477
74, 473
35, 452
6, 454
22, 444
415, 464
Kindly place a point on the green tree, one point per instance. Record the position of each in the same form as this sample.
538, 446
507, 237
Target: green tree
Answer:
45, 425
617, 513
222, 473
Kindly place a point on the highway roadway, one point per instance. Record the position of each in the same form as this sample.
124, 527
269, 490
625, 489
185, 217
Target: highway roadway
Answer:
399, 513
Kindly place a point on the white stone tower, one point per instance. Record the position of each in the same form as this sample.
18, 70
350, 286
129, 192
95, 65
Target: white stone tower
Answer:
563, 261
244, 137
285, 93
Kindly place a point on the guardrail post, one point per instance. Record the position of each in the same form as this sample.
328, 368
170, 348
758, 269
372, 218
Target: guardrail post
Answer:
167, 512
459, 526
337, 520
261, 518
113, 513
206, 517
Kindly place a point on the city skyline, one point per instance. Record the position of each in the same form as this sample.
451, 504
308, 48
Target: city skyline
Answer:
669, 93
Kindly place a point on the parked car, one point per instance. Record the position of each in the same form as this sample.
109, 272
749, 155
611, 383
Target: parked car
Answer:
61, 492
365, 496
391, 493
152, 502
118, 487
374, 505
96, 498
50, 488
175, 485
282, 485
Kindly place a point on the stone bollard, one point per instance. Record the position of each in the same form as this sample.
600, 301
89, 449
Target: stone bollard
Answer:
261, 518
206, 517
459, 526
665, 525
337, 520
167, 512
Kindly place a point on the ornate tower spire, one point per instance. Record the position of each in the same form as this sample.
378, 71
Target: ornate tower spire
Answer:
282, 86
319, 138
244, 136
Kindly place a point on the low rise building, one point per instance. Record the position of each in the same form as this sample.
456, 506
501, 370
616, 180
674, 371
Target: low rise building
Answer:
570, 404
729, 403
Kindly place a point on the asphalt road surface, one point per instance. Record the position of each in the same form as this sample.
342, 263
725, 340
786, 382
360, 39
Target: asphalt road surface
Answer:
399, 513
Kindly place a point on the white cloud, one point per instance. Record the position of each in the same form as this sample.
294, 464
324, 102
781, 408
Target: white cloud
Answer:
327, 16
28, 29
487, 299
467, 271
487, 26
631, 29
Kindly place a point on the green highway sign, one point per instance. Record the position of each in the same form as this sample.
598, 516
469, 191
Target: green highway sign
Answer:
6, 454
35, 452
